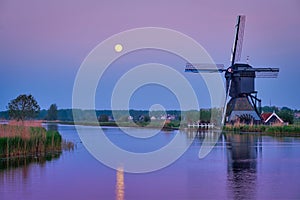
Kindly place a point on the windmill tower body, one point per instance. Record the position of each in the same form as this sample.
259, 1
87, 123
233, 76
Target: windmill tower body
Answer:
242, 106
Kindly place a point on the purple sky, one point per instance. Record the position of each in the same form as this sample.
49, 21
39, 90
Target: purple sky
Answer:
42, 44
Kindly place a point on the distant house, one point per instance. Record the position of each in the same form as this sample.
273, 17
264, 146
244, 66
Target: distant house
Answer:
153, 118
297, 115
163, 117
271, 118
130, 118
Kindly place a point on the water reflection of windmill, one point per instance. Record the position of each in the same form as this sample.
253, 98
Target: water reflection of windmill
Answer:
244, 104
243, 152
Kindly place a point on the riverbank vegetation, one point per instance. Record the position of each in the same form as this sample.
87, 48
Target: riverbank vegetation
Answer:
25, 107
169, 125
292, 130
23, 136
19, 141
53, 113
117, 115
286, 130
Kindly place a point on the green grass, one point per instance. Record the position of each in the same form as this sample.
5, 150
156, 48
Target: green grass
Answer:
154, 124
286, 130
18, 141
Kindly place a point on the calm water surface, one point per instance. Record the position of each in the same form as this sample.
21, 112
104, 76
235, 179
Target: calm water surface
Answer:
244, 166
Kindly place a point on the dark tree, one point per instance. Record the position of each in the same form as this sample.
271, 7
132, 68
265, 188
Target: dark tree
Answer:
205, 115
270, 109
23, 107
103, 118
287, 115
52, 112
192, 116
144, 118
147, 118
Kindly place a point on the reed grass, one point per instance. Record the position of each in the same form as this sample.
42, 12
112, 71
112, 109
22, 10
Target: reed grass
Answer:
285, 130
18, 141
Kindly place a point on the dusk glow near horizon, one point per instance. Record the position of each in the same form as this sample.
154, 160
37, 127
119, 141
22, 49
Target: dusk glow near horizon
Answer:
43, 45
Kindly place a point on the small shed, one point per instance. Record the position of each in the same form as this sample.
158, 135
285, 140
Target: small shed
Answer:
271, 118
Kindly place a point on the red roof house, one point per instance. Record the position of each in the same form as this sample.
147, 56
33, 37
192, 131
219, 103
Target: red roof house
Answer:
271, 118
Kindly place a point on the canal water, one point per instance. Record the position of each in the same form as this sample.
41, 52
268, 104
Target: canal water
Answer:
240, 166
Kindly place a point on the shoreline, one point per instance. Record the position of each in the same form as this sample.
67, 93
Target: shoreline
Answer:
113, 124
286, 130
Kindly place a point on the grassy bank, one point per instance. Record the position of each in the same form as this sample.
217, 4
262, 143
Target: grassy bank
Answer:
168, 126
287, 130
18, 141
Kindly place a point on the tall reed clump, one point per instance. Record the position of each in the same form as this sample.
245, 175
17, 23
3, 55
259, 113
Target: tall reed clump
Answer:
285, 130
281, 130
21, 141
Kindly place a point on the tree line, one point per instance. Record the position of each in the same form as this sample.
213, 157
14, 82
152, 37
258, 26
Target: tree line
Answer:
25, 107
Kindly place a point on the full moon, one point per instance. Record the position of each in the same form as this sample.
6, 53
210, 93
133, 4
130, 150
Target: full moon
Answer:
118, 47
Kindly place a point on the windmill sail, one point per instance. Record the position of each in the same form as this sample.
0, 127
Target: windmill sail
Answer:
238, 41
225, 103
204, 67
266, 72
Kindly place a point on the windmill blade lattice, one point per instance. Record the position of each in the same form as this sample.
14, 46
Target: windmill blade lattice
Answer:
204, 68
238, 41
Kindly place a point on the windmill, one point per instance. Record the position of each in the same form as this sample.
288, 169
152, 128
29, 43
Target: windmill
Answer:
243, 106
